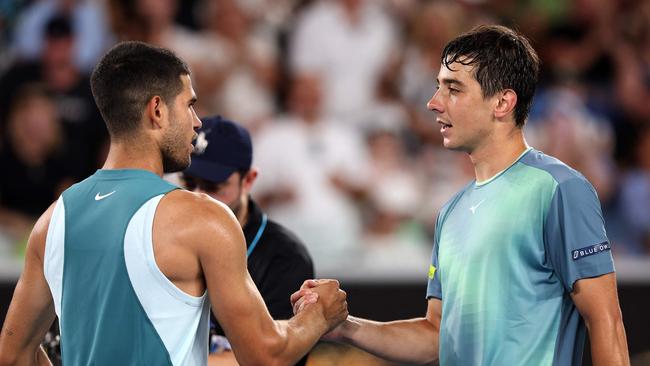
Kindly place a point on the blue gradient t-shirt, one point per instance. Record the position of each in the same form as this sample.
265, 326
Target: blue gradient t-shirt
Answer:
507, 253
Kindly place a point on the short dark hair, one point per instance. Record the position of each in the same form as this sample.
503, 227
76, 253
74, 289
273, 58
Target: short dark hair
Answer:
502, 59
58, 26
26, 93
126, 79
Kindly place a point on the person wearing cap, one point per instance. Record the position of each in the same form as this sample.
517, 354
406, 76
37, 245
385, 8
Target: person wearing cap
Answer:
130, 264
278, 261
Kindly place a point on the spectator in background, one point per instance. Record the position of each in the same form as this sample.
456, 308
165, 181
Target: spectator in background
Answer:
158, 27
571, 116
395, 198
432, 25
348, 42
33, 170
154, 22
88, 23
561, 124
632, 58
83, 129
278, 261
634, 202
242, 69
393, 237
314, 170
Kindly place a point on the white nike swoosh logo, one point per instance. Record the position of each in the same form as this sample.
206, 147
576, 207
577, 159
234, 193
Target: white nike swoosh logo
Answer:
101, 197
473, 208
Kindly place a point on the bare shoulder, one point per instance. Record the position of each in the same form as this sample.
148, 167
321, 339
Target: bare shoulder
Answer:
194, 209
36, 243
195, 217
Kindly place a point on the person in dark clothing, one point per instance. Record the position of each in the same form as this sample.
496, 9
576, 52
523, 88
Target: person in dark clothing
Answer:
278, 261
33, 168
84, 134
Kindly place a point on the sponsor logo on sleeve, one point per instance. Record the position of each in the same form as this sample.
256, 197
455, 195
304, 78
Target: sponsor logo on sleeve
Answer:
432, 271
590, 250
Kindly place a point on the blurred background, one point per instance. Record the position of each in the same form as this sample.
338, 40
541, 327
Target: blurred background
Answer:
334, 93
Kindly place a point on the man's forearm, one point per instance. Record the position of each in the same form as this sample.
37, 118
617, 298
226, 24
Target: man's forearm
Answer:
413, 340
302, 332
288, 340
28, 358
608, 343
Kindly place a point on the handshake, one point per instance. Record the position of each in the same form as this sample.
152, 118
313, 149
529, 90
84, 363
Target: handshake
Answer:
324, 296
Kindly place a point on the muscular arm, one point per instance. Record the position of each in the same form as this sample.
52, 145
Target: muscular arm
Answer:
411, 341
31, 312
255, 337
597, 302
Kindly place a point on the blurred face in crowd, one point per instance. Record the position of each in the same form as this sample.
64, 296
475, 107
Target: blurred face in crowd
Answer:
60, 72
464, 115
157, 13
386, 147
228, 19
34, 129
352, 8
59, 51
176, 145
306, 96
436, 23
233, 192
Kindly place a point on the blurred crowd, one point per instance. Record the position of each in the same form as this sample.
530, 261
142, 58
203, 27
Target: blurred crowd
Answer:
334, 93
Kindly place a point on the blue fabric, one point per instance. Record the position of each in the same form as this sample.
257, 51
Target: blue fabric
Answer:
102, 320
506, 255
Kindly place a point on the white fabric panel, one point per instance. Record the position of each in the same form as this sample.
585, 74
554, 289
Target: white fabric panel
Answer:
54, 250
180, 319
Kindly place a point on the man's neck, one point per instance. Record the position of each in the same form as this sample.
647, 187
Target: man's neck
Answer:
242, 211
498, 155
242, 215
122, 155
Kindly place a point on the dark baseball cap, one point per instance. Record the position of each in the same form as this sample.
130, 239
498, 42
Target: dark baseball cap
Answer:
222, 148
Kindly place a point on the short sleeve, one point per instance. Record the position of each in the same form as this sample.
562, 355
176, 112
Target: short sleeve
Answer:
574, 233
434, 289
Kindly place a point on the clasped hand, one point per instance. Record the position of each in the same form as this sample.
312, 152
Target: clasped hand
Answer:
326, 293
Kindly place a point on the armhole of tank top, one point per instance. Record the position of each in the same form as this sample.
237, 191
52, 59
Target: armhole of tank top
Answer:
173, 290
53, 256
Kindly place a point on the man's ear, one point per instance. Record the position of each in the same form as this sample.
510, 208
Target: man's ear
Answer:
249, 179
506, 102
155, 112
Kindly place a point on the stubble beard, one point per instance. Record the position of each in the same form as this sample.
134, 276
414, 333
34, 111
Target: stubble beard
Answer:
174, 156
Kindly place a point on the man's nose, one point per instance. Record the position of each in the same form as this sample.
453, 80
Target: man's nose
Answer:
434, 103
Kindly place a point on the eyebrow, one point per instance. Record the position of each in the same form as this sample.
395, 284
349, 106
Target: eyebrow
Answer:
450, 81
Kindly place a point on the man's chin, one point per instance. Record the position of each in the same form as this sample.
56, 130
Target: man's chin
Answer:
450, 145
456, 147
173, 166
